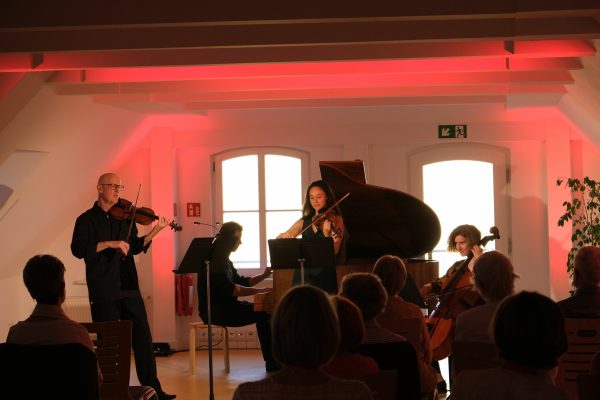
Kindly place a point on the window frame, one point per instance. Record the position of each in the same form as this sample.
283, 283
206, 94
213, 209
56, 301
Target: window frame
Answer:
499, 157
217, 160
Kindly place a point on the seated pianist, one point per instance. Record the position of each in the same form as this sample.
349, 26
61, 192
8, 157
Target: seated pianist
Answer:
225, 287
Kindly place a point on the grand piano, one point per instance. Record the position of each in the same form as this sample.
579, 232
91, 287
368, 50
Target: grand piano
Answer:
379, 221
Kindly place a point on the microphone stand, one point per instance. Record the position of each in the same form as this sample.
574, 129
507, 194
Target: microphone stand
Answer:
211, 394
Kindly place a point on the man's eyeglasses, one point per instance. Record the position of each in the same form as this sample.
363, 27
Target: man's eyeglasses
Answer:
114, 186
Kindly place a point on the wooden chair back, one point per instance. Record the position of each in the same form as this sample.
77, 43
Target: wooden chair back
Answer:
401, 357
583, 335
383, 384
113, 349
407, 327
588, 386
473, 355
60, 371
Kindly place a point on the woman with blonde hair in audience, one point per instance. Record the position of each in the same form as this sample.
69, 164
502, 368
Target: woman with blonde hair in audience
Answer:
352, 332
306, 336
392, 272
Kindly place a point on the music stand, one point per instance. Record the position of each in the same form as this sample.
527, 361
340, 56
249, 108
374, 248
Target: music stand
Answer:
204, 250
302, 253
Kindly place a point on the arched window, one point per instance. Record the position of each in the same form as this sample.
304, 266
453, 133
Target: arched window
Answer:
260, 188
464, 184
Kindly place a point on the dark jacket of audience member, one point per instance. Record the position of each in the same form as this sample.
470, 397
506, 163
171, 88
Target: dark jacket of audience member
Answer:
585, 302
392, 272
529, 332
494, 279
306, 336
352, 332
367, 292
44, 277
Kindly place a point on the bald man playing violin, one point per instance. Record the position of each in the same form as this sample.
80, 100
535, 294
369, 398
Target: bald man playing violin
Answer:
107, 245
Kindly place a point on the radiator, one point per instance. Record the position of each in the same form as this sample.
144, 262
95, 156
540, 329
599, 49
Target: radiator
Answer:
78, 308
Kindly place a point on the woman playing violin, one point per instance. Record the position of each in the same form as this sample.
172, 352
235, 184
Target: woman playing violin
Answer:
107, 245
319, 219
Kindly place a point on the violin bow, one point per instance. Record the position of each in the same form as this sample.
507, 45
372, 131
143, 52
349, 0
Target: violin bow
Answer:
323, 213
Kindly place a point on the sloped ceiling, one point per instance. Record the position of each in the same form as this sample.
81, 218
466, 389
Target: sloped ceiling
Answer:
232, 56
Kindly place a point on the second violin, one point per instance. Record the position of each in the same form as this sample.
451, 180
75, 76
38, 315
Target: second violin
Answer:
124, 209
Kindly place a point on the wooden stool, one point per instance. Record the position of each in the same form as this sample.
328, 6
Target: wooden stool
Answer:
194, 326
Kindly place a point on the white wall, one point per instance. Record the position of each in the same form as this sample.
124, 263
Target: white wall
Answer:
86, 139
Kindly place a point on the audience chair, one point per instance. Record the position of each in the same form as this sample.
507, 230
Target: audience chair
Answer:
589, 386
60, 371
399, 356
583, 335
409, 328
383, 384
473, 355
194, 326
112, 341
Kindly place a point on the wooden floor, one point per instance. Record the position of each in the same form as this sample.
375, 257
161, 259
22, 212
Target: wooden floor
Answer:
175, 377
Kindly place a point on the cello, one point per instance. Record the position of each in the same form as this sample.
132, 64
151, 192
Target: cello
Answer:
455, 297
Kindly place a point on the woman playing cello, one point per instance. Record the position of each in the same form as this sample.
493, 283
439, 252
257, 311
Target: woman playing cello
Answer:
465, 240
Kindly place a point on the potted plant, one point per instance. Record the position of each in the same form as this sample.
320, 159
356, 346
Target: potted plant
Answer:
584, 213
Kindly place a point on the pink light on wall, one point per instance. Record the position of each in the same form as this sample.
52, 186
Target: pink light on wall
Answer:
138, 137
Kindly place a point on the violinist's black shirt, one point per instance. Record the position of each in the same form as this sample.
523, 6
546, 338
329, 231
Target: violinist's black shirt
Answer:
108, 274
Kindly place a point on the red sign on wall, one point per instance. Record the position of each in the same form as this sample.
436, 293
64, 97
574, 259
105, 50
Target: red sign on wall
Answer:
193, 209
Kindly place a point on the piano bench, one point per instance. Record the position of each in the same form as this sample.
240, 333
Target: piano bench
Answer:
194, 326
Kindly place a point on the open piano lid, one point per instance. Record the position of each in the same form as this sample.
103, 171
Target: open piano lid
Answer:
380, 220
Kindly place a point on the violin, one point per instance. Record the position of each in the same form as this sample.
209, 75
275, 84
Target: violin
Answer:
319, 219
456, 296
124, 209
327, 215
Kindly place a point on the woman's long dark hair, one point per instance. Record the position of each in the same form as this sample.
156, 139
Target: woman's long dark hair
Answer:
308, 210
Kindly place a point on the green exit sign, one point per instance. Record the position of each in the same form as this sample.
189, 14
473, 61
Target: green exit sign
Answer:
452, 131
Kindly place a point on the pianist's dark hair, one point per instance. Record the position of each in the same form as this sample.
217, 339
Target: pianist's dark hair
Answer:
307, 210
228, 229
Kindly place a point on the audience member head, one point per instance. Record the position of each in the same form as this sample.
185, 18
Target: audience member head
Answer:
366, 291
587, 267
469, 232
494, 276
352, 327
44, 277
529, 331
305, 328
392, 272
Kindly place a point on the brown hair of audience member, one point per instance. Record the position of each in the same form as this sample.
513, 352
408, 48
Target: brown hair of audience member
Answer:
44, 277
305, 328
366, 291
392, 272
494, 276
529, 331
352, 327
469, 232
587, 267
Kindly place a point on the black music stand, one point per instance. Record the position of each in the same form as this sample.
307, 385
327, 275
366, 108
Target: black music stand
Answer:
204, 251
302, 253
